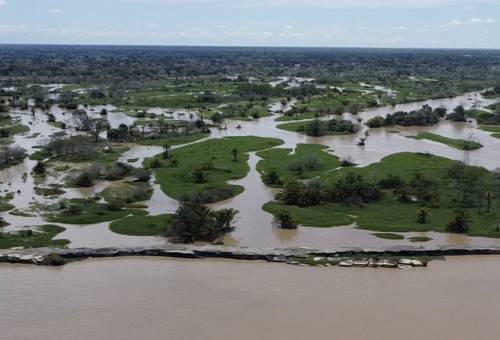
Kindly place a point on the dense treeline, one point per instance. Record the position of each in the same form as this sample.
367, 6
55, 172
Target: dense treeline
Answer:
141, 64
426, 116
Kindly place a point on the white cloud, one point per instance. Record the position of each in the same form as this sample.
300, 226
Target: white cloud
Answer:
3, 3
56, 11
471, 21
481, 21
12, 28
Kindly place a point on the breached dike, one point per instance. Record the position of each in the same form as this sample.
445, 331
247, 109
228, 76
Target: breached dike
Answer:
347, 257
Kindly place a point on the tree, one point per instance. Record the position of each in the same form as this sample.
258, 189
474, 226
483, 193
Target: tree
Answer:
458, 114
84, 180
166, 151
285, 220
422, 216
194, 221
199, 175
315, 128
459, 223
93, 126
39, 168
272, 177
236, 153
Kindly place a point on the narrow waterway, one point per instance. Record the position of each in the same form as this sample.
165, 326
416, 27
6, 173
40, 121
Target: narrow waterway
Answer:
151, 298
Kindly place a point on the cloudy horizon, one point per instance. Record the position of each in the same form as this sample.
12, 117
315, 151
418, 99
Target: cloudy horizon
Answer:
304, 23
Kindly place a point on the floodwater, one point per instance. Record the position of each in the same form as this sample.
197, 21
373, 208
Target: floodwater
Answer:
254, 226
153, 298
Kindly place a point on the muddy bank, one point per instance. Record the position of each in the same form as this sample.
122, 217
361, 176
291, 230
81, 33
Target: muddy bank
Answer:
45, 256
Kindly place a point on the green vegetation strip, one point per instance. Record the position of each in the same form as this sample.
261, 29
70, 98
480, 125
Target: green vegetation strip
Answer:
454, 143
307, 161
82, 211
323, 216
389, 236
40, 237
142, 225
300, 127
174, 140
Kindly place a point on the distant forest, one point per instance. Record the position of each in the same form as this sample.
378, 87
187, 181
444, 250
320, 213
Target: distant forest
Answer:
470, 69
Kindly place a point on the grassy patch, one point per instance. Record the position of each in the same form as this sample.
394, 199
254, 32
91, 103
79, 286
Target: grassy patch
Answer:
454, 143
318, 216
420, 239
389, 236
4, 202
491, 128
298, 116
142, 225
404, 164
294, 165
41, 237
128, 192
390, 215
82, 211
48, 192
174, 140
207, 166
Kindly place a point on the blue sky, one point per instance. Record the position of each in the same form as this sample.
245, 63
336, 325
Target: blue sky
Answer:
360, 23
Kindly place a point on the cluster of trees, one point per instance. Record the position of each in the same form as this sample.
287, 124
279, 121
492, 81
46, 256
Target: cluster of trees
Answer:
156, 128
351, 189
457, 115
494, 92
112, 172
426, 116
318, 128
195, 222
311, 163
74, 148
238, 110
11, 155
420, 188
488, 118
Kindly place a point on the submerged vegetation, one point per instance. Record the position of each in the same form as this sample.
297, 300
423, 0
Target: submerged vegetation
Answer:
454, 143
318, 128
42, 236
89, 211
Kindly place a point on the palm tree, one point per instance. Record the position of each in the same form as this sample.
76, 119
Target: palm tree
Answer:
235, 152
166, 151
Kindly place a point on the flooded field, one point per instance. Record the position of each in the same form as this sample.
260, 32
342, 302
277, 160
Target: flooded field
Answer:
254, 226
151, 298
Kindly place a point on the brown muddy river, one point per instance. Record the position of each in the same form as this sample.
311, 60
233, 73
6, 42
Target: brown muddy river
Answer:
151, 298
